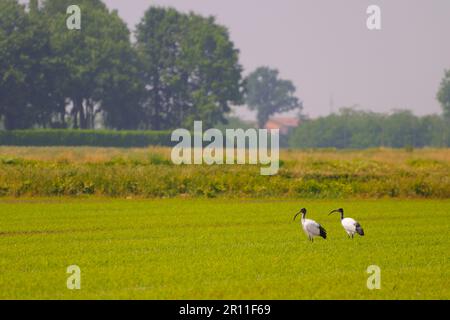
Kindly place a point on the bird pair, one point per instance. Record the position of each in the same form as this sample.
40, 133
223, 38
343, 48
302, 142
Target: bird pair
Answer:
313, 229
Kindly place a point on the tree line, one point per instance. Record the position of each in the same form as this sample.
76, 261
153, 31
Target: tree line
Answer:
180, 67
351, 128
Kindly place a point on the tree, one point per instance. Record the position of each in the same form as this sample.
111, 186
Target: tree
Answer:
26, 98
122, 94
215, 80
15, 64
46, 98
402, 130
443, 95
94, 62
190, 69
433, 131
159, 35
267, 94
13, 23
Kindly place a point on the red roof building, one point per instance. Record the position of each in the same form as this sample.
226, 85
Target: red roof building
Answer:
282, 123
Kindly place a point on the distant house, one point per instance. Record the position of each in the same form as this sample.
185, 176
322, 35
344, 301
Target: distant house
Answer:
282, 123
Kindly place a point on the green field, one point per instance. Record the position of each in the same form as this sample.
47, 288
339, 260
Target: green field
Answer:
221, 249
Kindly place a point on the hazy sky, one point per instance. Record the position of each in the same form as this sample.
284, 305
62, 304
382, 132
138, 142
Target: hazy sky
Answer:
325, 48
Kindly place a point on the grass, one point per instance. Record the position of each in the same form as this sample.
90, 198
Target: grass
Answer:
91, 155
149, 173
221, 249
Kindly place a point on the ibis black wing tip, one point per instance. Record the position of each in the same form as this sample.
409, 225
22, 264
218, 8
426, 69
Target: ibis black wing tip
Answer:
359, 229
323, 232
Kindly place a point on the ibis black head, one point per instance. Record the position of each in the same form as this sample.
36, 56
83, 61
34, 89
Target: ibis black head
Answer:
340, 210
302, 211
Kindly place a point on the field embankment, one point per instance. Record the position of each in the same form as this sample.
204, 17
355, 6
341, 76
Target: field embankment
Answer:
64, 171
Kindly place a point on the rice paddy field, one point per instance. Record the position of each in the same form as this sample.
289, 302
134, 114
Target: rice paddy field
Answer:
141, 228
218, 249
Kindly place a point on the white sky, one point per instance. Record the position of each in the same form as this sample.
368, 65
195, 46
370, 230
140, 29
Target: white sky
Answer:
324, 47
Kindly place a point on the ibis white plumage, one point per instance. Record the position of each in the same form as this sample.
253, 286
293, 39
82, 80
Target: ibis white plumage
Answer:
311, 228
350, 225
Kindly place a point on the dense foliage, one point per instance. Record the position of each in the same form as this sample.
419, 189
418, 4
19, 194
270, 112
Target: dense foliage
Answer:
191, 69
182, 67
359, 129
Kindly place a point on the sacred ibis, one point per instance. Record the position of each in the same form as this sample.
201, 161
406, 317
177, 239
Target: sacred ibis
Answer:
350, 225
311, 228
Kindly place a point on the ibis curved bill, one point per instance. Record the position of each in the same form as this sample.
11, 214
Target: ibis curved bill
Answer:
350, 225
311, 228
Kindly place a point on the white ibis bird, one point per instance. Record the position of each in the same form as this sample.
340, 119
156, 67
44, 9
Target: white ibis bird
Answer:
311, 228
350, 225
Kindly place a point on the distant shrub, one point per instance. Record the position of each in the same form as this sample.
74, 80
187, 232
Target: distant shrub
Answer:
424, 163
423, 189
